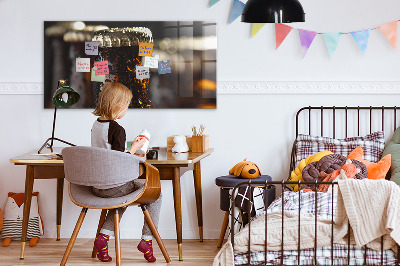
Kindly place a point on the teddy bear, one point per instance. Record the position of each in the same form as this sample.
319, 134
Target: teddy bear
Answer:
245, 169
13, 215
180, 144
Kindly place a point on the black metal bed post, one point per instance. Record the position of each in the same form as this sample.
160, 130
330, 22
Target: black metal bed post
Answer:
249, 219
315, 222
333, 192
298, 239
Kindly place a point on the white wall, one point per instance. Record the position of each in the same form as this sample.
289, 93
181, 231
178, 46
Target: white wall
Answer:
259, 127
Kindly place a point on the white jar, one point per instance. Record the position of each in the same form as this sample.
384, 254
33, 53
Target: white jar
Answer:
144, 134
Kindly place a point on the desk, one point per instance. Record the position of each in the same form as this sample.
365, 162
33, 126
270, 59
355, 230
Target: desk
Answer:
170, 165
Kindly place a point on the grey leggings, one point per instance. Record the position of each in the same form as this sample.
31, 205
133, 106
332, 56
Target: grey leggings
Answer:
153, 208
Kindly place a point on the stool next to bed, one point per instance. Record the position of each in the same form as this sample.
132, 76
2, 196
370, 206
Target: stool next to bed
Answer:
226, 183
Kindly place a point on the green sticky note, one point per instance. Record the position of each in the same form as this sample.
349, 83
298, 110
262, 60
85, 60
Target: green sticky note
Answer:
128, 145
98, 78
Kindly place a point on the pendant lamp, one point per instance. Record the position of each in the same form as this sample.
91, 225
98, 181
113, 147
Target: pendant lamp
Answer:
64, 96
272, 11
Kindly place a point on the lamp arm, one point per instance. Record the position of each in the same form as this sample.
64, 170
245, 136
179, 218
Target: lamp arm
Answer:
54, 126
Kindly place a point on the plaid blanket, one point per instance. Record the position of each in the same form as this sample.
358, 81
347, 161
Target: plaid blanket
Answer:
322, 204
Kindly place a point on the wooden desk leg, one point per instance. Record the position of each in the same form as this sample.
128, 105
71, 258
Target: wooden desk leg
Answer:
176, 183
27, 206
60, 190
199, 204
223, 229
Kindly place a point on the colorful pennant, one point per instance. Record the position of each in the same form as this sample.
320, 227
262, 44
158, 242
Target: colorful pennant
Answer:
361, 37
281, 31
332, 41
306, 39
237, 9
256, 28
389, 30
213, 2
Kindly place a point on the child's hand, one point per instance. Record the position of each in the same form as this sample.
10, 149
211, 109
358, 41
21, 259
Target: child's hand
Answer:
137, 144
142, 155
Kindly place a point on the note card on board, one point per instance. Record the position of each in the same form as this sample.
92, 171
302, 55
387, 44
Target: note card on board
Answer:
102, 67
83, 65
151, 62
142, 72
91, 48
98, 78
145, 48
164, 67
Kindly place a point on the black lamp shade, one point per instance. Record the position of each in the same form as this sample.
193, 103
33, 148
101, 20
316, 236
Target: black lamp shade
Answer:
65, 96
273, 11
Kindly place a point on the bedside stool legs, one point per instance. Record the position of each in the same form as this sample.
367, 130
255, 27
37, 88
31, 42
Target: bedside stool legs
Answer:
223, 229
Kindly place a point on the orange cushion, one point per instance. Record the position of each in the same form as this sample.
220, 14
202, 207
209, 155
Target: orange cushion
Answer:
375, 170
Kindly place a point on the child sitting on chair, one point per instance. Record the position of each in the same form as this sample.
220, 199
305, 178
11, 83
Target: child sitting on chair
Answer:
106, 133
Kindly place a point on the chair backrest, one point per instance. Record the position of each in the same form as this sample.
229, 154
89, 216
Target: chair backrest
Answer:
92, 166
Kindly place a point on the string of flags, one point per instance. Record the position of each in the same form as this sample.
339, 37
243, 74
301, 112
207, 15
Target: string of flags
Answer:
361, 37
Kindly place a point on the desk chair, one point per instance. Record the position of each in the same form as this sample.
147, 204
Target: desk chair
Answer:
85, 167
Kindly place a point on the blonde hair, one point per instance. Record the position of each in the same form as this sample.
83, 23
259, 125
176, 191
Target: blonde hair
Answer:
113, 98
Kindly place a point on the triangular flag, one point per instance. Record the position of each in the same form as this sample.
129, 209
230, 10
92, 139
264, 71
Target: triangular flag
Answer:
237, 9
281, 31
255, 28
306, 39
332, 41
213, 2
361, 37
390, 32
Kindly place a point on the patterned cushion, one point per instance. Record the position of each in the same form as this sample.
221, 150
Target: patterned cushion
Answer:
372, 144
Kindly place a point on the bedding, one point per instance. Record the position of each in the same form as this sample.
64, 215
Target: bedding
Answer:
372, 144
323, 209
393, 148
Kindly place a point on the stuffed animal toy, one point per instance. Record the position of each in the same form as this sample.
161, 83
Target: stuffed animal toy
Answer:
245, 169
13, 215
180, 144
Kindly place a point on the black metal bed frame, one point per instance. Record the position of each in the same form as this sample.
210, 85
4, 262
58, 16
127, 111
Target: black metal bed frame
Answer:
283, 184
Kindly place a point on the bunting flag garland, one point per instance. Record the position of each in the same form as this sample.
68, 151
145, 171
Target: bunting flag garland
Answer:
237, 9
306, 39
256, 28
389, 30
361, 37
213, 2
281, 31
332, 41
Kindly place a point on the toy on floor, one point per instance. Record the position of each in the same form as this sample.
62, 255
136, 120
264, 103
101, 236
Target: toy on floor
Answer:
245, 169
13, 215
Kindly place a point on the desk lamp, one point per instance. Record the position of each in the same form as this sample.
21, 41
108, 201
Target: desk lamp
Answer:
273, 11
64, 96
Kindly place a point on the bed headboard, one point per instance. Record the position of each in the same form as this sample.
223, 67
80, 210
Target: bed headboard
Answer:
344, 121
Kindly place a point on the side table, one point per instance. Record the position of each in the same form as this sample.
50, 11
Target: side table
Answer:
228, 182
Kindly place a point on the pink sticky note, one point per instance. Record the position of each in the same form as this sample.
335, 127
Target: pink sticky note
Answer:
102, 67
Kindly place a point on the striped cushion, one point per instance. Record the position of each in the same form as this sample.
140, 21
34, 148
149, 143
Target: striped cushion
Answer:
13, 228
372, 145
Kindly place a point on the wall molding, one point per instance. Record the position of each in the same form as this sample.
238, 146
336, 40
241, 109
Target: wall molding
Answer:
260, 87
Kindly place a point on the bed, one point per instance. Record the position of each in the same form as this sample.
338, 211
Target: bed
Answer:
301, 227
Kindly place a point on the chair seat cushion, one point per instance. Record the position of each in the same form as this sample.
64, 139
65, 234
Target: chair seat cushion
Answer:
83, 195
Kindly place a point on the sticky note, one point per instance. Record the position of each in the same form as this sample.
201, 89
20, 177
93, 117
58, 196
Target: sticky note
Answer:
91, 48
164, 67
145, 48
98, 78
102, 67
151, 62
142, 72
83, 65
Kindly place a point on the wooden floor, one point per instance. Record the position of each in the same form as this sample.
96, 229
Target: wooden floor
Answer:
50, 252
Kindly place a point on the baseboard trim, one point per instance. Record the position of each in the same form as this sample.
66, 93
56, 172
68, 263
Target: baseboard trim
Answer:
260, 87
